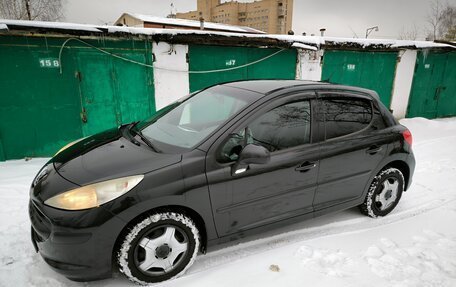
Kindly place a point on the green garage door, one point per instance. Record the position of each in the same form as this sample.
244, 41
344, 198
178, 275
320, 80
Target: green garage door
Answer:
433, 91
114, 91
205, 58
41, 109
371, 70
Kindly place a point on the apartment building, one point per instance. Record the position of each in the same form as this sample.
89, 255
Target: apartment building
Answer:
271, 16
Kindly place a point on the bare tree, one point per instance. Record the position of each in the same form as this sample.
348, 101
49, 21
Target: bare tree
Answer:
441, 19
451, 34
434, 18
408, 33
447, 27
40, 10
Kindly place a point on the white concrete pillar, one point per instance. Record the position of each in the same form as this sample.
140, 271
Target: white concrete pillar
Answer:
171, 79
403, 82
309, 66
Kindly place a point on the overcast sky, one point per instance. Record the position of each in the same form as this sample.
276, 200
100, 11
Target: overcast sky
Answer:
341, 18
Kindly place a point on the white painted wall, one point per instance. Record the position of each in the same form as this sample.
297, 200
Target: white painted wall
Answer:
170, 85
403, 82
309, 67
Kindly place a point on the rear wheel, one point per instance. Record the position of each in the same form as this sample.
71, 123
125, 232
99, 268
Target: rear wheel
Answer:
158, 248
384, 193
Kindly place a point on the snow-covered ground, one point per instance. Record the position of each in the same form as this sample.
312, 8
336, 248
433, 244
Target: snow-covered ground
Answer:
413, 246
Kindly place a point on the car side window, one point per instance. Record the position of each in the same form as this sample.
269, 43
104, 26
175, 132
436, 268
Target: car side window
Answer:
344, 116
283, 127
378, 122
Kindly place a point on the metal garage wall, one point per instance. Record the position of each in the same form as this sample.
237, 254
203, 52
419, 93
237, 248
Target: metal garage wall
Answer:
204, 58
371, 70
41, 109
113, 91
434, 85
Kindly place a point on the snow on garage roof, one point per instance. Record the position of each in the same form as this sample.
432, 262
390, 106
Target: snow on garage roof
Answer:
222, 38
192, 23
50, 25
386, 43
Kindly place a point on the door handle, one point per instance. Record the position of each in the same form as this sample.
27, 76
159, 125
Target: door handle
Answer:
437, 93
84, 115
306, 166
374, 149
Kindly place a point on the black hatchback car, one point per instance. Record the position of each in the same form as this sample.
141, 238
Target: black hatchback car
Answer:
225, 162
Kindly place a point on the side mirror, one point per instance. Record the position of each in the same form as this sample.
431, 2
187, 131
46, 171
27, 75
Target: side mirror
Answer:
254, 154
251, 154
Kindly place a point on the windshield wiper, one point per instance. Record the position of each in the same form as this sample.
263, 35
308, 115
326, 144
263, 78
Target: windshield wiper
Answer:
142, 136
126, 133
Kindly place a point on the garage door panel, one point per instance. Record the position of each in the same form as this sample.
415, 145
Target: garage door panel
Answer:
371, 70
209, 58
446, 106
433, 92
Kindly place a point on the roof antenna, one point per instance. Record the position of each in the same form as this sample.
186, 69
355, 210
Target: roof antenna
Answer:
172, 14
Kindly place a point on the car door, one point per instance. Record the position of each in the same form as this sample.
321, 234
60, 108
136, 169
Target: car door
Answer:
265, 193
351, 148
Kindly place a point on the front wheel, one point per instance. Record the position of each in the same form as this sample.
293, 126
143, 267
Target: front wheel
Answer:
384, 193
160, 247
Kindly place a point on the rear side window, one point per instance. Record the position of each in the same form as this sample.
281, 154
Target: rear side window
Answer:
344, 116
378, 122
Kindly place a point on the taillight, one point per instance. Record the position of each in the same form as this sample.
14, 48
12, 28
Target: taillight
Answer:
407, 137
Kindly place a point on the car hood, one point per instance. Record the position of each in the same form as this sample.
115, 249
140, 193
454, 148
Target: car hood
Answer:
107, 156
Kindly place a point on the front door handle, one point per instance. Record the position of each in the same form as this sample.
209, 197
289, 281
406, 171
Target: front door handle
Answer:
306, 166
373, 149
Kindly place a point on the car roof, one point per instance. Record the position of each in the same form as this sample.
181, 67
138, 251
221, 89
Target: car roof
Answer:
266, 87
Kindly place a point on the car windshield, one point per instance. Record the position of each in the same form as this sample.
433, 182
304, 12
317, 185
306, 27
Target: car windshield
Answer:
187, 122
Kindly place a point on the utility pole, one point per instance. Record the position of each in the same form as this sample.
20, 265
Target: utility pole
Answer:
27, 8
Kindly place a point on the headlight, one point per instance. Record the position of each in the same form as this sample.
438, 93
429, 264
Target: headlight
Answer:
68, 145
94, 195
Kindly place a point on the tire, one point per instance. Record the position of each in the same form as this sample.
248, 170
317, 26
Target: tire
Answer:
384, 193
160, 247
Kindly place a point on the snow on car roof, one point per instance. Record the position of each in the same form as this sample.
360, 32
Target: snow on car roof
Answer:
304, 42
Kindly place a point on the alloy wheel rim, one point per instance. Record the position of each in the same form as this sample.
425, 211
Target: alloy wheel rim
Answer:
161, 250
388, 195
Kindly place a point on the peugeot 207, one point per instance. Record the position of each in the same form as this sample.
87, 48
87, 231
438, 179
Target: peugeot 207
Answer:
231, 160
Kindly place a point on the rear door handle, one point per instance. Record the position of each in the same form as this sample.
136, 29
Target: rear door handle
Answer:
306, 166
374, 149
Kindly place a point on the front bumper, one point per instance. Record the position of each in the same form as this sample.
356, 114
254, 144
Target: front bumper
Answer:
81, 252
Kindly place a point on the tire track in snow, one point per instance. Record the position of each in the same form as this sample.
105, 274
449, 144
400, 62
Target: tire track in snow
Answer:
245, 249
432, 141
